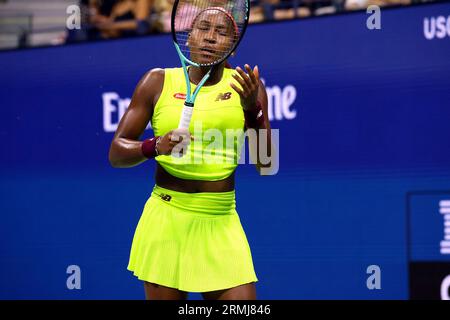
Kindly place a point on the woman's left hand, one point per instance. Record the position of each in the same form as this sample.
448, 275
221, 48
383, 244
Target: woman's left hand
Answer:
250, 84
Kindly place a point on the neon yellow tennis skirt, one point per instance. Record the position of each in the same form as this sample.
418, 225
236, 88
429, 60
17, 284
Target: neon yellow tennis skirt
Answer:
193, 242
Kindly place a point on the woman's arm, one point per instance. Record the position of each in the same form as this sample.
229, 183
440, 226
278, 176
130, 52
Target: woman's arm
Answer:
264, 148
142, 9
125, 150
254, 96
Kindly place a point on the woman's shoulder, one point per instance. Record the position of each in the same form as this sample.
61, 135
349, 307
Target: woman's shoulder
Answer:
151, 83
153, 76
157, 81
156, 72
156, 77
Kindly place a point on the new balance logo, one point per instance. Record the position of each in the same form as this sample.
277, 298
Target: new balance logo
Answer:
165, 197
223, 96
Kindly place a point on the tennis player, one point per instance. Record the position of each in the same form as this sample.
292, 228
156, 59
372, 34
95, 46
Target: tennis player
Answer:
189, 237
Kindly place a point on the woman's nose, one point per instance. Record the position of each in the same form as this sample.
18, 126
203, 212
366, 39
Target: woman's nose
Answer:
211, 37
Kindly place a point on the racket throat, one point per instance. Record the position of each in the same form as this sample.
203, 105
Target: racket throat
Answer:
188, 107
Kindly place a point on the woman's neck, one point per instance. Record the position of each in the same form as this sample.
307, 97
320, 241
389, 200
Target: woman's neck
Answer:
196, 74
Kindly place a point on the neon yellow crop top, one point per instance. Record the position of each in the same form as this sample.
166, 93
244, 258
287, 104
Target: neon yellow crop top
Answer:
217, 125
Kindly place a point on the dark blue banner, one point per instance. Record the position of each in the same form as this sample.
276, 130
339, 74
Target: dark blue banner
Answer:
363, 119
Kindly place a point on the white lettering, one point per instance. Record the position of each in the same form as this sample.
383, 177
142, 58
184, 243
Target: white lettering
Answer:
373, 21
74, 280
440, 27
436, 27
374, 281
113, 105
206, 311
74, 20
279, 102
445, 286
108, 109
288, 97
429, 28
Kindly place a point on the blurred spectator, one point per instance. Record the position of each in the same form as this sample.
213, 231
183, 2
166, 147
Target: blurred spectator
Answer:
121, 18
104, 19
320, 7
363, 4
256, 11
289, 9
163, 10
162, 15
278, 10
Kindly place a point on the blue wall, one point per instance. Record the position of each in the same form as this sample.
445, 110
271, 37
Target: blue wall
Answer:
363, 118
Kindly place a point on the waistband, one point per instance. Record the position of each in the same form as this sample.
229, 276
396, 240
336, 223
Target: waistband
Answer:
210, 203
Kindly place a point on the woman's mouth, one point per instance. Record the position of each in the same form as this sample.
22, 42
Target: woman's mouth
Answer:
208, 51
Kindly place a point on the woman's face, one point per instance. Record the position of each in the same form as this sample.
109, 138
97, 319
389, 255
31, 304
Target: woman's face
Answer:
212, 36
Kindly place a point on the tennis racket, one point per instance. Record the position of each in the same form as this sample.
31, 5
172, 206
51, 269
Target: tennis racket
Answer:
205, 33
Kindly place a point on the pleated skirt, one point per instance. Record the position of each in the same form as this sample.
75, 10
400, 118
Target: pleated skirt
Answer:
192, 242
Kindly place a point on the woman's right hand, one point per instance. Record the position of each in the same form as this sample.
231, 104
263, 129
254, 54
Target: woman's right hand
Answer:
174, 141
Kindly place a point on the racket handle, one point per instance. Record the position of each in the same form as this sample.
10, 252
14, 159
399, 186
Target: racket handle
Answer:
186, 115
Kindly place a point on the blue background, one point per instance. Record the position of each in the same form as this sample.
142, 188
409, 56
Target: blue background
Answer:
372, 124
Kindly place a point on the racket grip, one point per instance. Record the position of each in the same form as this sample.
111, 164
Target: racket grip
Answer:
186, 116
